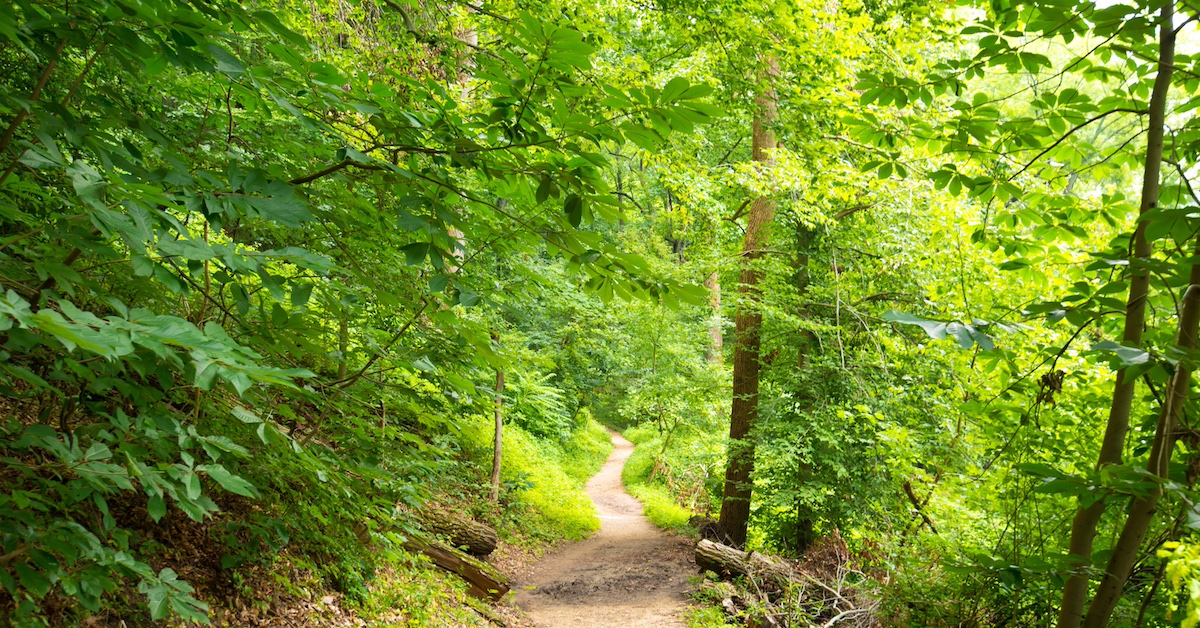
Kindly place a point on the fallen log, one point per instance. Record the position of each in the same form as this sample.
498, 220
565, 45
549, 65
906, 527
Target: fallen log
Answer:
729, 562
483, 580
479, 539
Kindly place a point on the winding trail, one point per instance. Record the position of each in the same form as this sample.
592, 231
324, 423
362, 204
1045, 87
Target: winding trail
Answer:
629, 574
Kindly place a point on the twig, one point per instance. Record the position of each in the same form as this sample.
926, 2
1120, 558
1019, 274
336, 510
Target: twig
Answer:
844, 614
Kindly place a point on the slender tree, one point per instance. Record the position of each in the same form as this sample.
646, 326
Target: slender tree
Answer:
1083, 528
498, 441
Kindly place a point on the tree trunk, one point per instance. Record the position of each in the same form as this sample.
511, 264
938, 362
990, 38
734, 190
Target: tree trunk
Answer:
735, 501
498, 441
1141, 513
717, 342
1083, 528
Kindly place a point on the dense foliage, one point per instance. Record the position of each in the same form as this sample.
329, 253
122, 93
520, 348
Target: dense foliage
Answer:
265, 264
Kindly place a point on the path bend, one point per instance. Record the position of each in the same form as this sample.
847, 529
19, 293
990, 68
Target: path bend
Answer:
630, 574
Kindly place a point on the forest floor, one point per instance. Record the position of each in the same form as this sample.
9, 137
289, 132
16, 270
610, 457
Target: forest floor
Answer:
629, 574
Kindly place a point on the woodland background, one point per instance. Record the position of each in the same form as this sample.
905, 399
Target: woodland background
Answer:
269, 269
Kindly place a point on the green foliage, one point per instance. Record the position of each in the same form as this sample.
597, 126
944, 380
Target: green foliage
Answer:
587, 449
706, 616
296, 217
643, 479
260, 265
1183, 574
412, 592
540, 475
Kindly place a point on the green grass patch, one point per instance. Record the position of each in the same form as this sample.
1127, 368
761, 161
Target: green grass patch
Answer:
585, 453
658, 502
705, 617
411, 592
545, 476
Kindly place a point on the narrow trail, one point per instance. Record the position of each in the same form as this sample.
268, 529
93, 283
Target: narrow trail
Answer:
629, 574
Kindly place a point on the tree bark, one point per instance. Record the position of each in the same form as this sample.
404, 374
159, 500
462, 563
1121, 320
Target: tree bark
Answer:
498, 441
735, 501
479, 539
1141, 513
1083, 528
730, 562
483, 580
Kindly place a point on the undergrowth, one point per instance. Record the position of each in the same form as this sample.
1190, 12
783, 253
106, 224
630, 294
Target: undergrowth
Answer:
546, 477
649, 486
412, 592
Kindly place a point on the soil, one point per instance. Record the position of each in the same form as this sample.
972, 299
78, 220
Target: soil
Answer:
629, 574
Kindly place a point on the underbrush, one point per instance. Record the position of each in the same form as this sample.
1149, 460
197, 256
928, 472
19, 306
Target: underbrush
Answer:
541, 501
412, 592
672, 483
542, 480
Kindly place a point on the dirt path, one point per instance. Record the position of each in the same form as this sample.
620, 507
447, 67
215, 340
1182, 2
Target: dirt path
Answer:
629, 574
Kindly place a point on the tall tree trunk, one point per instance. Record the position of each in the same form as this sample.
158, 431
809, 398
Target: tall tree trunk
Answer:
717, 342
498, 441
735, 502
1083, 528
1141, 513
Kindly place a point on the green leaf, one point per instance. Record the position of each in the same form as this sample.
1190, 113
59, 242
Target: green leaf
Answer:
226, 63
280, 205
33, 580
156, 507
574, 209
692, 294
89, 184
192, 484
245, 416
673, 90
935, 329
1129, 356
229, 481
301, 294
414, 254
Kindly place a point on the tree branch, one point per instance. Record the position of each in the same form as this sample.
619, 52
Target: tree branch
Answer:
1071, 132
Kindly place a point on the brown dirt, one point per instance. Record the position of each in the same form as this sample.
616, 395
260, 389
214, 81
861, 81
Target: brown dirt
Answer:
629, 574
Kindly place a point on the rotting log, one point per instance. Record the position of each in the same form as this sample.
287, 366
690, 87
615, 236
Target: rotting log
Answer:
772, 575
730, 562
479, 539
483, 580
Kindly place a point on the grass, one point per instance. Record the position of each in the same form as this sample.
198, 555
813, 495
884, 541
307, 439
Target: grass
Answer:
547, 477
658, 502
411, 592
